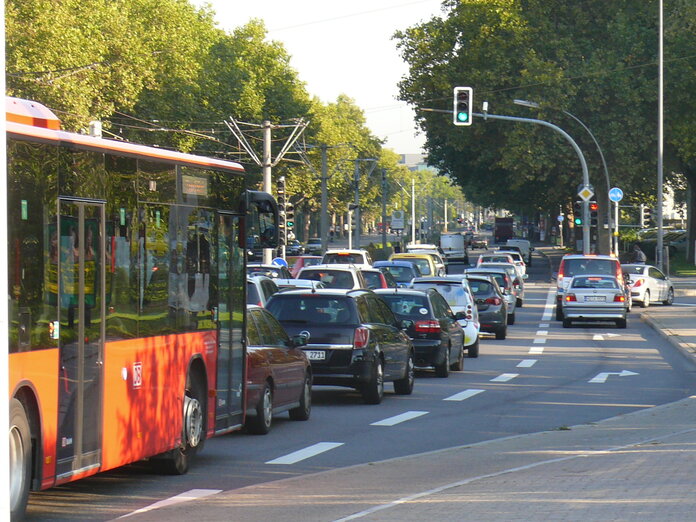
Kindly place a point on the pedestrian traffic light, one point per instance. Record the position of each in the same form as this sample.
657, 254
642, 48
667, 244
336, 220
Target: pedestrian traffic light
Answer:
645, 216
463, 103
594, 207
282, 202
577, 213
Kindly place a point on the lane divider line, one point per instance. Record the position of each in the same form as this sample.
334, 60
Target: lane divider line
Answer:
464, 395
303, 454
527, 363
186, 496
540, 340
550, 304
542, 332
536, 350
505, 377
397, 419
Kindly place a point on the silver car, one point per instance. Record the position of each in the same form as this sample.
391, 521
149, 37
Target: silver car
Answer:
594, 297
649, 285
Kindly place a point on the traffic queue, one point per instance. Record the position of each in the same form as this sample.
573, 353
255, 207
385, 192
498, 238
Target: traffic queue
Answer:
343, 320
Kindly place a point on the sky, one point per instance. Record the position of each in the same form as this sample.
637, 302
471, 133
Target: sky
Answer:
340, 47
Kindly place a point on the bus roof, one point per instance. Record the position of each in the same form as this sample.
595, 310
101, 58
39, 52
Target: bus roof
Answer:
33, 120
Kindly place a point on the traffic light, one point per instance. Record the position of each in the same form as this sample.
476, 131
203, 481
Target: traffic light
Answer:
577, 213
353, 215
645, 216
289, 216
282, 204
463, 103
594, 207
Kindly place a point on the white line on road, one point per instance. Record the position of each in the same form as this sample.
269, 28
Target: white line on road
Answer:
536, 350
396, 419
186, 496
504, 377
527, 363
306, 453
540, 340
550, 303
542, 332
602, 377
463, 395
544, 325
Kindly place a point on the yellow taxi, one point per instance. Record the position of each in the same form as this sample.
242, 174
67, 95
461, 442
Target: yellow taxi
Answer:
424, 262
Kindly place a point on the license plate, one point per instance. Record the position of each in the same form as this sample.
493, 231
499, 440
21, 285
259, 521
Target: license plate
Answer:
316, 355
596, 298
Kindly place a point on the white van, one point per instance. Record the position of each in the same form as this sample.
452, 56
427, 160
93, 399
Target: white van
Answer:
453, 246
525, 247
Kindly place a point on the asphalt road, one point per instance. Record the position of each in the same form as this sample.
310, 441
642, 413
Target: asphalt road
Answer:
543, 377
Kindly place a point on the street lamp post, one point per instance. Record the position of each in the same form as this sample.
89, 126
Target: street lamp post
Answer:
535, 105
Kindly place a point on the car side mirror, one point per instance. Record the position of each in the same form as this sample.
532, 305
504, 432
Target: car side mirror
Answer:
525, 276
297, 341
460, 315
554, 276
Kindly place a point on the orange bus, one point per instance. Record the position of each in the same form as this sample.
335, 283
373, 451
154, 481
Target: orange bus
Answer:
127, 297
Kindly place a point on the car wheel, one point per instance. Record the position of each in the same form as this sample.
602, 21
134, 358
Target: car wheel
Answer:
404, 386
646, 299
501, 333
302, 412
511, 318
621, 323
373, 391
442, 370
559, 312
458, 365
473, 350
261, 423
670, 297
567, 323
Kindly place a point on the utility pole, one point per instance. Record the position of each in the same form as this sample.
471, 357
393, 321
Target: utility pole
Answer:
266, 170
357, 205
324, 222
384, 209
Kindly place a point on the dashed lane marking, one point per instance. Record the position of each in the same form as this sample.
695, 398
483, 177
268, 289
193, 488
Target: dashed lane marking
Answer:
466, 394
504, 377
527, 363
308, 452
397, 419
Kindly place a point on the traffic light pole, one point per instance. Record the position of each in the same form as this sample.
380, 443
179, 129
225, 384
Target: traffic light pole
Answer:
583, 164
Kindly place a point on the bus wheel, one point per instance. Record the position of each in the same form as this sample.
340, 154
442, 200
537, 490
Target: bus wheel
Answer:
20, 459
176, 461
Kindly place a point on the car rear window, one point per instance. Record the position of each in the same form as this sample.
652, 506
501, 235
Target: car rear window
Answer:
454, 294
313, 309
573, 267
339, 258
639, 270
499, 278
407, 306
595, 282
330, 278
422, 264
373, 279
495, 259
402, 274
479, 287
252, 295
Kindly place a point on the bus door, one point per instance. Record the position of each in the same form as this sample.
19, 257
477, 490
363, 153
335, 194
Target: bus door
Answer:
80, 331
231, 310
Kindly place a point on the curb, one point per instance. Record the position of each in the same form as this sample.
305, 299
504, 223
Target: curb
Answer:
688, 349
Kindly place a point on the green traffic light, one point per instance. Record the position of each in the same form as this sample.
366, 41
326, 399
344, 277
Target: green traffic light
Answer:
578, 221
462, 116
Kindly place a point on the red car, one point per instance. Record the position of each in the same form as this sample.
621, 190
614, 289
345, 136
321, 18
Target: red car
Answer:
279, 375
303, 261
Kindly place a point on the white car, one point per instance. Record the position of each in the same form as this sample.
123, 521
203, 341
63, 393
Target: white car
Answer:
595, 297
525, 247
357, 257
648, 285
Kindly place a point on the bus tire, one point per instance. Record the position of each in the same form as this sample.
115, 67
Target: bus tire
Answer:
177, 460
20, 459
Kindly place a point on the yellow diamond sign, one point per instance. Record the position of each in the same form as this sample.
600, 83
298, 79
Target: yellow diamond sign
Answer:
586, 193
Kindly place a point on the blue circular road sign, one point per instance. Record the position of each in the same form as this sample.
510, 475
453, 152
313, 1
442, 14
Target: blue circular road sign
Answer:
616, 194
279, 261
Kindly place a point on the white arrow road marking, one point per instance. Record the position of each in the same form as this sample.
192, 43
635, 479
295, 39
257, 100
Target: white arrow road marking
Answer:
504, 377
186, 496
536, 350
602, 377
306, 453
527, 363
463, 395
396, 419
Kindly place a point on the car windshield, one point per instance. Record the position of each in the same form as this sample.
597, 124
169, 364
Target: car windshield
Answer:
373, 280
407, 306
330, 278
495, 259
637, 269
264, 270
595, 282
422, 264
313, 309
454, 294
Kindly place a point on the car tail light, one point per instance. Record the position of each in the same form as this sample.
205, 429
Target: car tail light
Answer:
560, 271
638, 282
493, 300
619, 273
427, 326
361, 337
516, 284
619, 298
570, 297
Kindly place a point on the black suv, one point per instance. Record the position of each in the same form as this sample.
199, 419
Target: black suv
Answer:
353, 339
436, 334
